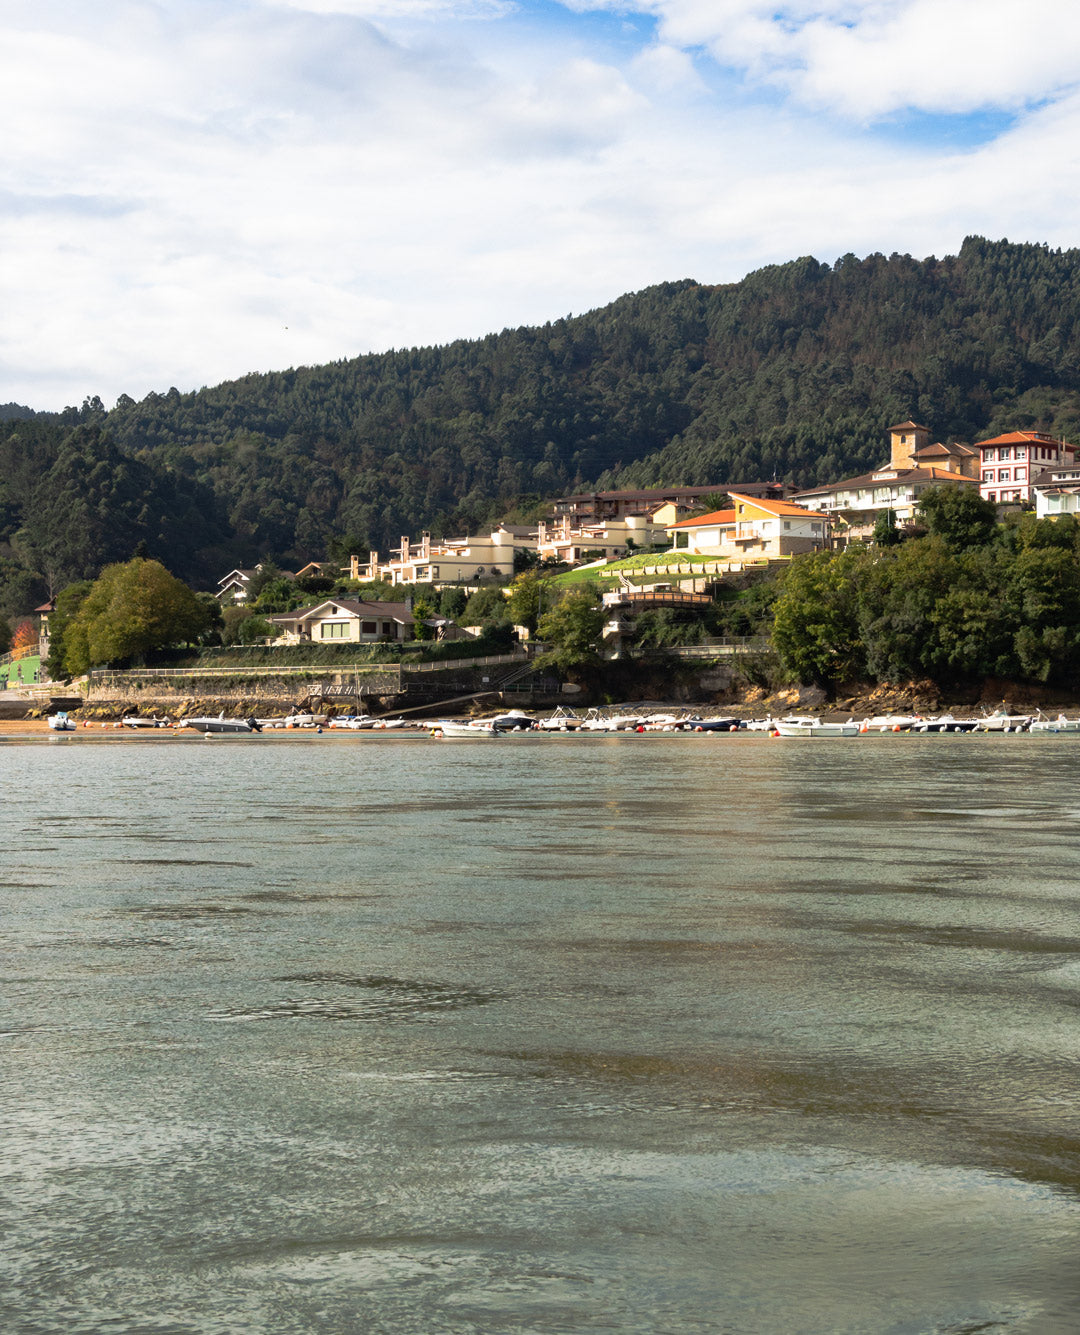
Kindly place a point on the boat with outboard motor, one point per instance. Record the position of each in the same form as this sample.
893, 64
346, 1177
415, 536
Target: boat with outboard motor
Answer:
59, 722
815, 727
221, 724
456, 728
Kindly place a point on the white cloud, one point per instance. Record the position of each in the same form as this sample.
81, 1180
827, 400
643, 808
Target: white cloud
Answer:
194, 191
869, 58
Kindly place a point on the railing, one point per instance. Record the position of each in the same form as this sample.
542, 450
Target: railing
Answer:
492, 660
670, 596
100, 675
27, 651
734, 644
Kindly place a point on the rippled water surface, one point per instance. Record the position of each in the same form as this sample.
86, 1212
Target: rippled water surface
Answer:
544, 1034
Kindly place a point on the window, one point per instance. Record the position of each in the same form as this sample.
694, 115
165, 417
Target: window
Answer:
988, 475
368, 628
991, 496
388, 628
1003, 475
1019, 474
333, 630
787, 523
682, 539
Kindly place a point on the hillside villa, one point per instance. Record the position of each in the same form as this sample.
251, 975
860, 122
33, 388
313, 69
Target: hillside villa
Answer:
1012, 462
448, 561
344, 621
1057, 491
752, 528
570, 540
897, 485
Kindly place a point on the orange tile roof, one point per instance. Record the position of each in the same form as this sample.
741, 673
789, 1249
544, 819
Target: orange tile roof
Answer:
908, 426
1023, 438
780, 507
949, 475
713, 517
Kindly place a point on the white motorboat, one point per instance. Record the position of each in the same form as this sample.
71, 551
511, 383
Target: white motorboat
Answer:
455, 728
627, 722
563, 720
1002, 721
221, 724
353, 722
595, 721
815, 727
59, 722
303, 720
1059, 724
134, 721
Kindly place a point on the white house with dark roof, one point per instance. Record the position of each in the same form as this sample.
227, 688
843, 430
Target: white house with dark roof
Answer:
346, 621
897, 485
1057, 491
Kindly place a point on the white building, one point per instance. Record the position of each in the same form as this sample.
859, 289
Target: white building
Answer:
1057, 491
752, 528
450, 561
1010, 463
345, 621
897, 485
570, 541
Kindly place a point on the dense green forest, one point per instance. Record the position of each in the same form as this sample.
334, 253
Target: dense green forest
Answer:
793, 373
968, 600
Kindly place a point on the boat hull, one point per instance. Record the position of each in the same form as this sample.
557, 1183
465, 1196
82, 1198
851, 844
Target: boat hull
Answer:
817, 729
450, 728
223, 725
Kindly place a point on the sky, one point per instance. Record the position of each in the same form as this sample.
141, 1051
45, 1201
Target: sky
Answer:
194, 189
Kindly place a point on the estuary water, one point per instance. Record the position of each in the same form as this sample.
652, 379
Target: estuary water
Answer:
543, 1034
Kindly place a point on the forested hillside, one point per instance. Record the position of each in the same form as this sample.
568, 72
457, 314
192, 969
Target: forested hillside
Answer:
794, 373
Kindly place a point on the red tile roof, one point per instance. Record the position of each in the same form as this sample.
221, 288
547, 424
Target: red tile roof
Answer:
779, 507
1023, 438
713, 517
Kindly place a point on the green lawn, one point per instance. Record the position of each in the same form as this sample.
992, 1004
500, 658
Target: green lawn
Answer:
631, 564
24, 671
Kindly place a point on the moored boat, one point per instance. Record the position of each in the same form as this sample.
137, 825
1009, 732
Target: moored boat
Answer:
59, 722
513, 720
563, 720
1002, 721
1059, 724
456, 728
221, 724
135, 721
891, 723
946, 723
815, 727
